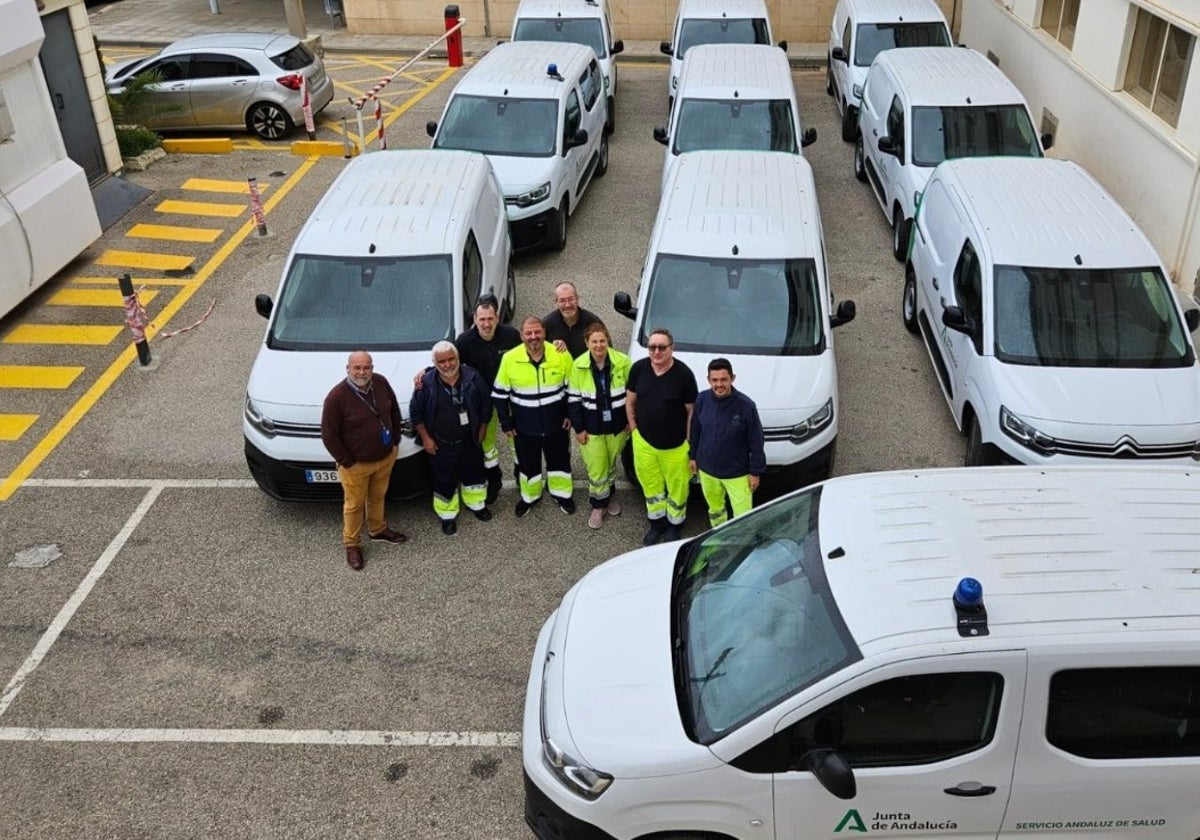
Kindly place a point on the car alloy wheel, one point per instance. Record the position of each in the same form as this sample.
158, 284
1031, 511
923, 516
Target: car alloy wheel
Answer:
269, 121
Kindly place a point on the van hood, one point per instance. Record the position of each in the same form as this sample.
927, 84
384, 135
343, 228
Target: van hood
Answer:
521, 174
618, 686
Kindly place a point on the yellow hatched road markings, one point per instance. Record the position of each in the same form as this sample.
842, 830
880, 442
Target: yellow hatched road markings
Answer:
142, 259
95, 297
216, 186
174, 233
61, 334
12, 426
38, 376
201, 208
137, 281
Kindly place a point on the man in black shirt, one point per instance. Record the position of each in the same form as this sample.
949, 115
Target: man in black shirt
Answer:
659, 397
566, 325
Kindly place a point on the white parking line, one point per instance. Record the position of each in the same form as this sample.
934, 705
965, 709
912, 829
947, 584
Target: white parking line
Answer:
205, 484
319, 737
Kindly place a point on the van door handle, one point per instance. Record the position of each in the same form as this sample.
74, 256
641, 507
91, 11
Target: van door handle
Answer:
933, 280
970, 789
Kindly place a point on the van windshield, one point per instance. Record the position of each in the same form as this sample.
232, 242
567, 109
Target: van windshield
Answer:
697, 31
1085, 317
752, 619
372, 303
755, 125
757, 307
586, 31
939, 134
874, 38
500, 125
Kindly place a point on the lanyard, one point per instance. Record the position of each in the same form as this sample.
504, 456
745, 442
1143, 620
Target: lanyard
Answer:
371, 405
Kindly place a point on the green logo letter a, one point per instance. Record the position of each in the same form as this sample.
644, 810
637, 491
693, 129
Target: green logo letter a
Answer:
851, 822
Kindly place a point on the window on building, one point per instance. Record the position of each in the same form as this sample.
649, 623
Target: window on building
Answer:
1059, 18
1159, 58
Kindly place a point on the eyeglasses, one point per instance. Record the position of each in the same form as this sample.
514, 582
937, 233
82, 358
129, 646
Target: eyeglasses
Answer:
658, 348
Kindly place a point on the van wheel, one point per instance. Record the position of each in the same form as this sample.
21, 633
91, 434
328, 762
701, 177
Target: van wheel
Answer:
849, 122
900, 231
556, 236
602, 163
979, 454
610, 123
829, 76
908, 303
268, 121
510, 297
860, 165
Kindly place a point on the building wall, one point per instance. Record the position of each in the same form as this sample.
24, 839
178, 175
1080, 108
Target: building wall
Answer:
1150, 167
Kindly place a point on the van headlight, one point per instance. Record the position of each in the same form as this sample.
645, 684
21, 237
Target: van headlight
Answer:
1025, 434
535, 195
857, 89
259, 420
814, 424
406, 427
573, 773
607, 84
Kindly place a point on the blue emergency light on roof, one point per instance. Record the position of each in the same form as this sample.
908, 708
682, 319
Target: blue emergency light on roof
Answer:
970, 614
552, 72
969, 593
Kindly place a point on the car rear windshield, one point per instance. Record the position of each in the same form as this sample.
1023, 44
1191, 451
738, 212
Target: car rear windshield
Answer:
874, 38
696, 31
756, 125
586, 31
939, 134
373, 303
500, 125
1088, 317
753, 620
297, 58
757, 307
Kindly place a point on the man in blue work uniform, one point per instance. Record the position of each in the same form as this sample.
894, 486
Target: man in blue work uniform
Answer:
727, 447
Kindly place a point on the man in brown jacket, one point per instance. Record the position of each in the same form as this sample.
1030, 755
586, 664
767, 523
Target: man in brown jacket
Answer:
360, 426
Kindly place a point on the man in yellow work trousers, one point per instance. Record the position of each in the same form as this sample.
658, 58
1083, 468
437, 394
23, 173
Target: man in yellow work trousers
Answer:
727, 446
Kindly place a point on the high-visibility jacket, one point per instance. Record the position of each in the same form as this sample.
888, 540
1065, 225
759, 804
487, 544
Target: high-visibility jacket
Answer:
532, 398
585, 406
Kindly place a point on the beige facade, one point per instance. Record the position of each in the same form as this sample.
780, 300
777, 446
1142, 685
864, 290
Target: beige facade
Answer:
798, 21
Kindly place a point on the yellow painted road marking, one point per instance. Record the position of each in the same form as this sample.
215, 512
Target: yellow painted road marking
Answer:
12, 426
143, 259
35, 376
217, 186
201, 208
61, 334
137, 281
95, 297
175, 233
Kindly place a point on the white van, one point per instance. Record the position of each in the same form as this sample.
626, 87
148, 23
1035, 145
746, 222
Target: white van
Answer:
734, 96
391, 261
714, 22
928, 104
1053, 329
537, 110
584, 22
995, 653
861, 30
736, 268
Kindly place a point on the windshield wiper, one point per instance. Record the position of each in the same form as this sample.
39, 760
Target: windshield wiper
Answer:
712, 672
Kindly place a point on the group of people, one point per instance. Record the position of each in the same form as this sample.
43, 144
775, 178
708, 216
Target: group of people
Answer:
555, 377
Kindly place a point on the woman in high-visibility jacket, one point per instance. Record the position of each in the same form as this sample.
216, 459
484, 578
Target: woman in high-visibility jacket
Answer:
596, 408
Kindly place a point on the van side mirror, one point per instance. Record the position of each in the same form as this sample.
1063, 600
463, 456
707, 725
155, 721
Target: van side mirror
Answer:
660, 134
888, 146
579, 138
431, 128
839, 54
624, 305
957, 320
618, 46
1192, 319
1047, 141
808, 137
832, 771
783, 45
845, 314
263, 305
665, 48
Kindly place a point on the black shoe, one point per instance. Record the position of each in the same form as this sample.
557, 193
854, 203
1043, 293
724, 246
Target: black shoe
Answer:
449, 527
522, 508
655, 534
566, 505
483, 515
672, 533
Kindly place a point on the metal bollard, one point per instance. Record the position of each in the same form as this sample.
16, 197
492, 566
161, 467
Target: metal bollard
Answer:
454, 45
135, 318
256, 206
347, 153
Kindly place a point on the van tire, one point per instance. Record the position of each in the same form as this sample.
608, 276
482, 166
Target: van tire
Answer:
556, 236
979, 454
602, 158
510, 298
849, 122
610, 122
860, 163
901, 228
908, 301
829, 76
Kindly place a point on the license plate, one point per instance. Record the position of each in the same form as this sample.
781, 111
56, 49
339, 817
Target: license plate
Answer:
321, 476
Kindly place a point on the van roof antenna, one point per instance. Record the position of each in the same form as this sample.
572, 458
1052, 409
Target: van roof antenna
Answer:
371, 248
1078, 260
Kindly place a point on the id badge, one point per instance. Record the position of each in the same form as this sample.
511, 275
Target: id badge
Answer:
607, 415
462, 418
386, 434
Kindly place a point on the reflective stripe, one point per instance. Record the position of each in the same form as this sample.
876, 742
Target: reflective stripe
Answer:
526, 402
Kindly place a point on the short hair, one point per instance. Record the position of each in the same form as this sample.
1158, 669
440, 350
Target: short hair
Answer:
574, 288
595, 327
532, 319
487, 301
444, 346
662, 331
720, 363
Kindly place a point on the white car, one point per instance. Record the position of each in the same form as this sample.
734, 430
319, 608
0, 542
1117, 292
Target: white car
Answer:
1052, 327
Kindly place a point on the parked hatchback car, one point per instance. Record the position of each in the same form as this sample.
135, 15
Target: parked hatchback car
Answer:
229, 80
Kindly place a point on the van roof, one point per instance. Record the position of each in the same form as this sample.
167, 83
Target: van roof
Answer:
559, 8
764, 203
949, 76
755, 71
722, 8
1044, 212
1079, 551
519, 69
891, 11
410, 201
